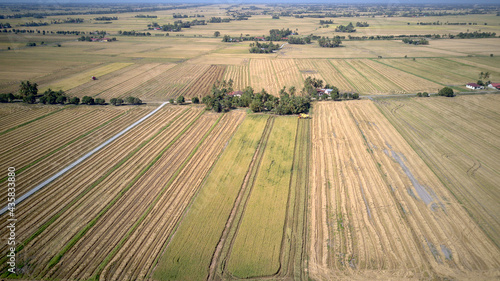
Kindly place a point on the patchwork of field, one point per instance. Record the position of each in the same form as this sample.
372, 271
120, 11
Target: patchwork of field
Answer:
252, 201
458, 139
165, 166
378, 211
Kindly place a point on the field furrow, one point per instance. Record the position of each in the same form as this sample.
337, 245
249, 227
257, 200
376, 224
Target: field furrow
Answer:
95, 87
202, 85
288, 74
360, 82
239, 75
399, 215
384, 85
97, 178
137, 258
188, 254
15, 115
332, 76
308, 69
263, 76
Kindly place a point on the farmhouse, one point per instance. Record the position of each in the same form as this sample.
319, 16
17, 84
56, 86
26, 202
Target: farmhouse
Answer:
494, 86
260, 38
474, 86
236, 94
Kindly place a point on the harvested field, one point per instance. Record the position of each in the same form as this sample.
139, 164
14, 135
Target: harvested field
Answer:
257, 246
377, 210
308, 68
189, 252
381, 83
458, 139
171, 83
288, 74
94, 184
133, 262
14, 115
263, 76
95, 87
355, 78
406, 81
202, 85
81, 78
128, 87
239, 74
332, 75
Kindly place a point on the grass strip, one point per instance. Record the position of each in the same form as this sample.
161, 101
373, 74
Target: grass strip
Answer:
36, 119
64, 146
82, 232
108, 258
87, 190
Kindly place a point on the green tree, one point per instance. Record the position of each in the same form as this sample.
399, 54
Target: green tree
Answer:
4, 98
100, 101
446, 91
425, 94
171, 101
256, 105
29, 99
355, 96
195, 100
180, 100
217, 34
116, 101
28, 88
74, 100
88, 100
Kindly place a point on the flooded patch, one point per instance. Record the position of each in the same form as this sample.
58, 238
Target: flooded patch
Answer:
446, 252
364, 199
421, 190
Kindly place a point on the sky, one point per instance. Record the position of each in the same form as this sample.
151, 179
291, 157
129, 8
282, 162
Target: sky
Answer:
385, 2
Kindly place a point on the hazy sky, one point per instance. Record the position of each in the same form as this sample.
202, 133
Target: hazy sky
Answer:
387, 2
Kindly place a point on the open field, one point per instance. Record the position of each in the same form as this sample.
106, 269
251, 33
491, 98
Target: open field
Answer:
458, 140
263, 76
378, 210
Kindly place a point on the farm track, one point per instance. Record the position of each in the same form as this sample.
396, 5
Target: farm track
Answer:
202, 85
95, 87
37, 169
46, 203
171, 83
15, 116
85, 256
224, 246
390, 213
461, 152
136, 259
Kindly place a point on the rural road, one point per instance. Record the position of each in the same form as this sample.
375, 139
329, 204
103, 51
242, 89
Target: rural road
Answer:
81, 159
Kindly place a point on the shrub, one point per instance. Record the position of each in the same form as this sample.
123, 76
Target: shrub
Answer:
447, 92
88, 100
74, 100
195, 100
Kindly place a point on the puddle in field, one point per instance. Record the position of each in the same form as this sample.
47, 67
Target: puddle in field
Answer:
446, 252
364, 199
434, 251
425, 193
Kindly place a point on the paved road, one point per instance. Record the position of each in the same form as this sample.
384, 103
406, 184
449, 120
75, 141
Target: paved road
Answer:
81, 159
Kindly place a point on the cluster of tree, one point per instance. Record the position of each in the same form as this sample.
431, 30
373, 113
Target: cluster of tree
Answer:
362, 24
92, 38
181, 100
5, 25
133, 33
277, 34
329, 43
323, 22
483, 75
32, 23
179, 16
30, 44
345, 28
298, 40
220, 100
74, 32
68, 20
275, 17
424, 94
53, 97
178, 25
421, 41
266, 48
105, 18
446, 92
218, 20
475, 34
146, 16
128, 100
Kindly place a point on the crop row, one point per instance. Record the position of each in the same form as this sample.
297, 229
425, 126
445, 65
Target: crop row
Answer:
201, 86
287, 73
263, 76
239, 75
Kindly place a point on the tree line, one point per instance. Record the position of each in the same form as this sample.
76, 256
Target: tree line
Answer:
28, 93
421, 41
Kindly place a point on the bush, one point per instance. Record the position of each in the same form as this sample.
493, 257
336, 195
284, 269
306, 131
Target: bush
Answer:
195, 100
171, 101
180, 99
419, 94
446, 92
133, 100
425, 94
30, 99
4, 98
116, 101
